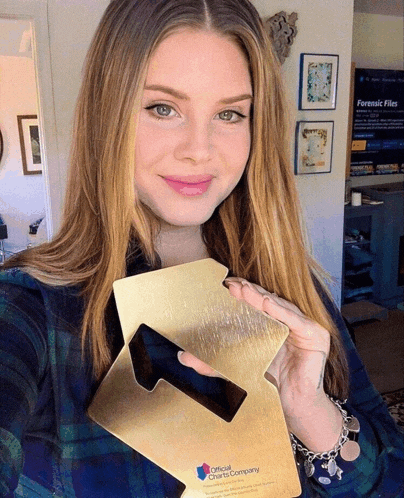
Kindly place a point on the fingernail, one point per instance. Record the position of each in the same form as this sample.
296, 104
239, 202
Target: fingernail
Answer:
179, 354
247, 284
227, 283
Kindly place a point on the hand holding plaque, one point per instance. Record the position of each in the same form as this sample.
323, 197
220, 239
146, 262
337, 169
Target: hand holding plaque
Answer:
189, 306
298, 368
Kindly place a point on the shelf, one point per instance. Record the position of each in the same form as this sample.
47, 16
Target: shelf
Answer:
363, 310
362, 210
358, 244
383, 224
359, 254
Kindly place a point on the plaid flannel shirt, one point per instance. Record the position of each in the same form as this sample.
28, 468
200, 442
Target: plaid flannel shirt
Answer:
50, 448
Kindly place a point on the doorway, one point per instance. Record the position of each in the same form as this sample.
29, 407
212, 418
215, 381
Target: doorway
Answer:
22, 188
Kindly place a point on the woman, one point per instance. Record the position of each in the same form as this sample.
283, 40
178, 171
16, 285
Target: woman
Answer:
179, 153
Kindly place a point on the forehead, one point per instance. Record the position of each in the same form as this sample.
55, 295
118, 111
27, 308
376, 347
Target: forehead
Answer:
192, 60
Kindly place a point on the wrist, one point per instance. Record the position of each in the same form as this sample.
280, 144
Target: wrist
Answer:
305, 405
346, 449
316, 422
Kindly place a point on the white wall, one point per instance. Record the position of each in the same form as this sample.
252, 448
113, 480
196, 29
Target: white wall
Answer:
378, 41
72, 24
324, 27
21, 196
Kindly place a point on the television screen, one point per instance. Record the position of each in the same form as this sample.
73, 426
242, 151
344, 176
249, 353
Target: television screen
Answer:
378, 122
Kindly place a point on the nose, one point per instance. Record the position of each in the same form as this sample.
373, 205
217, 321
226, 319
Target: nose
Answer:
195, 144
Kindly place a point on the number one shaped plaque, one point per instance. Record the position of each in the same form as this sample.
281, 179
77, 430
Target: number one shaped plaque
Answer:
249, 454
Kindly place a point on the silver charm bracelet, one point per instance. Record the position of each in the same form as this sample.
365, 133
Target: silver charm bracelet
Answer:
348, 449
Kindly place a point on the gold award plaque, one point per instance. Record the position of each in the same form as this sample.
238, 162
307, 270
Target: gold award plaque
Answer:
249, 456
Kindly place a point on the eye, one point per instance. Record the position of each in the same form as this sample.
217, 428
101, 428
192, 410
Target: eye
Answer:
161, 110
231, 116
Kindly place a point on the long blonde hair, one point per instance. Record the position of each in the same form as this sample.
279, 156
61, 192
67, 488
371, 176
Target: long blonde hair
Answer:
256, 231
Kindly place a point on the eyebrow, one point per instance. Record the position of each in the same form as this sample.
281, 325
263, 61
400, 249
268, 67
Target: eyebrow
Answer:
183, 96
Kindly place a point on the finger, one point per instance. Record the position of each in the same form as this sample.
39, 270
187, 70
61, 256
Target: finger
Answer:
233, 279
235, 289
252, 296
270, 376
279, 300
282, 311
243, 281
261, 290
273, 305
237, 282
243, 290
304, 333
191, 361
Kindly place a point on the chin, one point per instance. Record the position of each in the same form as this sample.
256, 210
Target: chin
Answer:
186, 219
185, 222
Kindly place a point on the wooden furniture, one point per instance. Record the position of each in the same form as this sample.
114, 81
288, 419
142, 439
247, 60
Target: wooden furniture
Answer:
373, 262
390, 240
361, 266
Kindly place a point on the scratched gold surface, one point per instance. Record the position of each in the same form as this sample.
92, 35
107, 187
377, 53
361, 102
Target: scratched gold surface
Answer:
189, 306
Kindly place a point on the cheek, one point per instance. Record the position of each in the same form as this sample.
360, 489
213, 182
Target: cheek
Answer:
150, 150
237, 151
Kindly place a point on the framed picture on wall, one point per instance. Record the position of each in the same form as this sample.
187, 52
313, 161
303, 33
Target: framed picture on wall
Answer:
318, 81
314, 141
28, 129
1, 146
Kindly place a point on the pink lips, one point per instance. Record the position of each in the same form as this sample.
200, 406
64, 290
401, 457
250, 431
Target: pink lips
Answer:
189, 185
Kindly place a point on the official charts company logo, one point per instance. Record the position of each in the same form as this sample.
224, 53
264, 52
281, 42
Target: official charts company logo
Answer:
203, 471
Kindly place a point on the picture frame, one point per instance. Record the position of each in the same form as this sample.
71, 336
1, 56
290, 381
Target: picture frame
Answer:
31, 154
318, 81
314, 146
1, 146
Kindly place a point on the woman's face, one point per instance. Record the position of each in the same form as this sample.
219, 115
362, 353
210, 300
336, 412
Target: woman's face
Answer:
193, 135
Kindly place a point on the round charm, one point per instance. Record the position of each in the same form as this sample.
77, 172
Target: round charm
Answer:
350, 451
353, 425
324, 480
332, 467
309, 468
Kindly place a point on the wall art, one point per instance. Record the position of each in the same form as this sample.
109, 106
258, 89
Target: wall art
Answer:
1, 145
318, 81
28, 129
282, 30
314, 142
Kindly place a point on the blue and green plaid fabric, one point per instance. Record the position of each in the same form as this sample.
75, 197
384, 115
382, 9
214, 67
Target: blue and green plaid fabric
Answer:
49, 447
